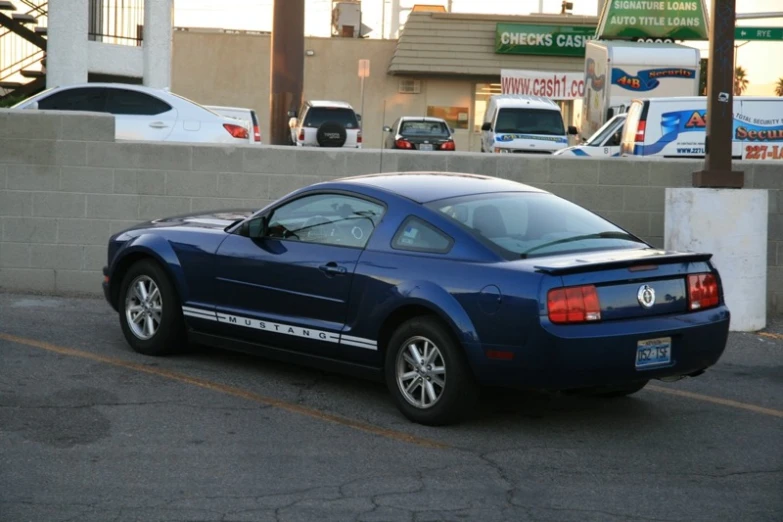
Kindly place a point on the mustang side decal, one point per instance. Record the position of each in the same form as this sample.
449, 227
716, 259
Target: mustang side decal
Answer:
285, 329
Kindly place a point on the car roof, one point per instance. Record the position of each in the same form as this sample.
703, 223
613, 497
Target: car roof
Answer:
328, 103
423, 187
524, 100
422, 118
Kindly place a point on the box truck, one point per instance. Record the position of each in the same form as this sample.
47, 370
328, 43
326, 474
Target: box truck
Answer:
616, 72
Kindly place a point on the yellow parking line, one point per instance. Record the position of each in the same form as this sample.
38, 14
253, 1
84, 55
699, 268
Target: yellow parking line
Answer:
717, 400
771, 335
231, 390
317, 414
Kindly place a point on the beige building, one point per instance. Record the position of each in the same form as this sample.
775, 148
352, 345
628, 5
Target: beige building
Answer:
443, 64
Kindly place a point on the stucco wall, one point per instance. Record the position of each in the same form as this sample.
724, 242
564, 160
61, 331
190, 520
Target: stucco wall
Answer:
66, 185
216, 68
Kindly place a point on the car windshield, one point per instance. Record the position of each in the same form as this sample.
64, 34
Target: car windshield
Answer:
533, 224
530, 121
317, 116
609, 128
424, 128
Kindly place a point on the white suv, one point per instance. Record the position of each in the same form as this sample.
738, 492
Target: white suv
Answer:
325, 124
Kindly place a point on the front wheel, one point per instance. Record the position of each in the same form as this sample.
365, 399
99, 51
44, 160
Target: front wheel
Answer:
150, 313
428, 375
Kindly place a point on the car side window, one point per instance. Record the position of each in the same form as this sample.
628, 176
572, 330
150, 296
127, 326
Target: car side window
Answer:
417, 235
329, 219
122, 101
81, 99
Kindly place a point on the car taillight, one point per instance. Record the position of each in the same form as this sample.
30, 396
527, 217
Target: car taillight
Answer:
403, 144
359, 137
702, 291
256, 133
449, 145
236, 131
577, 304
640, 128
301, 135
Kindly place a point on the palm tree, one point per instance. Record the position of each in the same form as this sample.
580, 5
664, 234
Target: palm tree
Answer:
740, 80
779, 87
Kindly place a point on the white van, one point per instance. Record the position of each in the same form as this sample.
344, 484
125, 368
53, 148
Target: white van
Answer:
676, 127
605, 143
523, 124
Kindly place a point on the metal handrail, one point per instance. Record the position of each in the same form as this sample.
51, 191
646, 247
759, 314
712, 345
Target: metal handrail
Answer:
22, 64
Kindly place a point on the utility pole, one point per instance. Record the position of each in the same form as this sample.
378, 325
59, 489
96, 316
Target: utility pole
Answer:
287, 67
717, 171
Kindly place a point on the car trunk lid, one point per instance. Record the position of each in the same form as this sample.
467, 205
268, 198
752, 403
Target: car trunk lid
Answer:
629, 283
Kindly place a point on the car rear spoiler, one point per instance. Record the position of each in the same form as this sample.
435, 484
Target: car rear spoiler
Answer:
578, 265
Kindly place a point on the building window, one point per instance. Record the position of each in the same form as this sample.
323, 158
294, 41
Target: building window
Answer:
483, 92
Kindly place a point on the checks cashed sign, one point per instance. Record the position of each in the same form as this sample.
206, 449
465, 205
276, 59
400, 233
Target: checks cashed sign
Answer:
557, 40
554, 85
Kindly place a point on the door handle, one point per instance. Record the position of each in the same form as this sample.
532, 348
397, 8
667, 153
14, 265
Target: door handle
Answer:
333, 269
158, 125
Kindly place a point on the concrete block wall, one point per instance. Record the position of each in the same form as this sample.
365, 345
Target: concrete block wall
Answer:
66, 185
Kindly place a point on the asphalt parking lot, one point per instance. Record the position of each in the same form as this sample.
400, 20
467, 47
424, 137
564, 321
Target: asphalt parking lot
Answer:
91, 431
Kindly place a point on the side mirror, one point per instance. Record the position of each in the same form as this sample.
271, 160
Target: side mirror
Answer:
572, 130
487, 126
292, 122
387, 129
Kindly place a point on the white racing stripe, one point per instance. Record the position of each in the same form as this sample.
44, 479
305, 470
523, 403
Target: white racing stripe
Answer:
285, 329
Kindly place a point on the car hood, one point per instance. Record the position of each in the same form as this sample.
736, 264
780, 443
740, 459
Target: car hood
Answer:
214, 219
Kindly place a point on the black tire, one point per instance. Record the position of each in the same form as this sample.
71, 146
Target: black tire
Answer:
459, 394
170, 335
331, 134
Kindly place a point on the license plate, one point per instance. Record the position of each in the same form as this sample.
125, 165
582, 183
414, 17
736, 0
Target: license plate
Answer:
425, 146
653, 352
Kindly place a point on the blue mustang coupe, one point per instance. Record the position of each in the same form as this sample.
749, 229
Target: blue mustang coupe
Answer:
437, 283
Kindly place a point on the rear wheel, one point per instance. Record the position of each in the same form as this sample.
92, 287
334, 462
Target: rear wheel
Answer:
149, 309
427, 374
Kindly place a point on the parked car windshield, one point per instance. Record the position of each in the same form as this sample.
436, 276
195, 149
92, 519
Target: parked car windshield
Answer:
317, 116
532, 224
609, 128
530, 121
424, 128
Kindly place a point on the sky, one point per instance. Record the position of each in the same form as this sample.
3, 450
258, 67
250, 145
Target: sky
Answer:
256, 15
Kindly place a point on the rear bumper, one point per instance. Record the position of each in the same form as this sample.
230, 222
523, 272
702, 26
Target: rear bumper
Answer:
562, 357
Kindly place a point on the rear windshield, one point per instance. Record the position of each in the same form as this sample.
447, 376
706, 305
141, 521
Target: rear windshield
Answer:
532, 224
423, 128
530, 121
317, 116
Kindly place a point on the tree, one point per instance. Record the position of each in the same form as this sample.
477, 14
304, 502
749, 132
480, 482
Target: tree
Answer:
740, 81
779, 87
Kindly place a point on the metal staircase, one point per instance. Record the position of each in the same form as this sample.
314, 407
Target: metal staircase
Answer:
23, 29
23, 39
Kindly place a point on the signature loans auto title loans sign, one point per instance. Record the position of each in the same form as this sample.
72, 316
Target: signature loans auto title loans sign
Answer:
554, 85
653, 20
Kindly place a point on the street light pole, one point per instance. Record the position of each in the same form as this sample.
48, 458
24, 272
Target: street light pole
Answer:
717, 171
